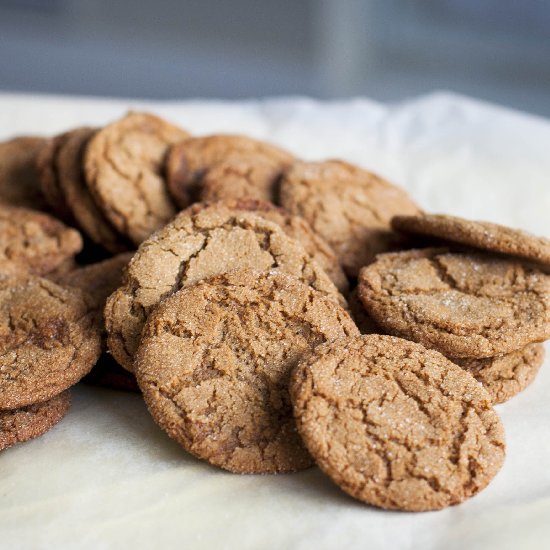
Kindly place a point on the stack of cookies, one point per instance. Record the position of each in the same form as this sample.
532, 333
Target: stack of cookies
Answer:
219, 273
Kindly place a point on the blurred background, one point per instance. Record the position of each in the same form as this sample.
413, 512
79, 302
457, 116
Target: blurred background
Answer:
497, 50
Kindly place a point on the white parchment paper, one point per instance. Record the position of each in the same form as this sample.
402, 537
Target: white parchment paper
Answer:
107, 477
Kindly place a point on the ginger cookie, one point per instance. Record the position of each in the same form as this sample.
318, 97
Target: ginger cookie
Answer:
359, 314
396, 425
230, 166
124, 171
296, 228
79, 200
197, 244
461, 304
506, 375
214, 364
34, 241
19, 181
48, 340
349, 207
478, 234
20, 425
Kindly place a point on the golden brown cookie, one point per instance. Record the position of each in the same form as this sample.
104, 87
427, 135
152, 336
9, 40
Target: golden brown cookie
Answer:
506, 375
124, 171
200, 243
351, 208
396, 425
48, 340
296, 228
19, 182
228, 166
20, 425
484, 235
77, 196
34, 241
359, 314
214, 364
461, 304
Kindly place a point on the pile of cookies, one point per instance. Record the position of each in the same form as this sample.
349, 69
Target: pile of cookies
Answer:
275, 313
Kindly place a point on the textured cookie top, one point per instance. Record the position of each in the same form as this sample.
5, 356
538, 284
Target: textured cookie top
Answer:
124, 170
227, 166
295, 227
505, 375
88, 216
479, 234
200, 243
48, 341
35, 242
28, 422
214, 364
351, 208
19, 184
464, 305
396, 425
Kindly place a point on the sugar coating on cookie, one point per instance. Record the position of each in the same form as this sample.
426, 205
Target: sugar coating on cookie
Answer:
462, 304
224, 166
19, 425
200, 243
479, 234
124, 169
396, 425
214, 364
49, 340
507, 375
350, 207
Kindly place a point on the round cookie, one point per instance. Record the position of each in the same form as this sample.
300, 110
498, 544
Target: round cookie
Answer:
19, 182
197, 244
214, 363
34, 241
349, 207
296, 228
478, 234
48, 340
78, 197
124, 171
20, 425
396, 425
506, 375
232, 166
461, 304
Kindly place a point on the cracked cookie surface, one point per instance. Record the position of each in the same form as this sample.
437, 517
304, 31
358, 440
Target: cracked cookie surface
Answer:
478, 234
26, 423
48, 340
124, 171
197, 244
506, 375
214, 364
349, 207
396, 425
462, 304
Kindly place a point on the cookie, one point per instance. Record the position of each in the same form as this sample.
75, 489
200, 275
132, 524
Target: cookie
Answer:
359, 314
296, 228
506, 375
200, 243
483, 235
48, 340
34, 241
19, 182
124, 170
78, 197
214, 364
230, 166
461, 304
349, 207
107, 373
396, 425
20, 425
